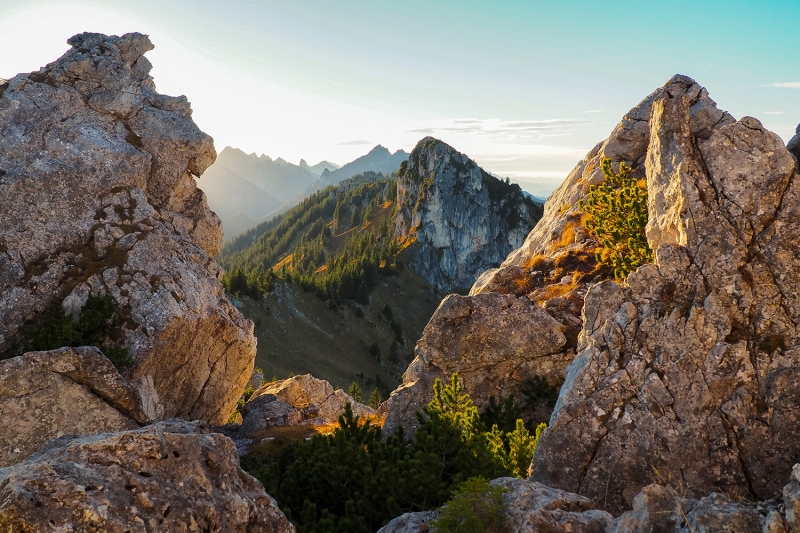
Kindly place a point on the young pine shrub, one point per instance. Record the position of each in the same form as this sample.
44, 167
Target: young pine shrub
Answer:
617, 217
476, 507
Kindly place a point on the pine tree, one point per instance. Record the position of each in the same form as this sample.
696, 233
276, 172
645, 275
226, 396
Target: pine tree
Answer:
375, 398
355, 391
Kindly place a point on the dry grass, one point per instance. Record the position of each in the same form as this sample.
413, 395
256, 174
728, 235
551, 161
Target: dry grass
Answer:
533, 263
554, 291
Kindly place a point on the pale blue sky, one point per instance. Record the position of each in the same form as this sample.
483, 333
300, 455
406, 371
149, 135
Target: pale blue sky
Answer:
526, 88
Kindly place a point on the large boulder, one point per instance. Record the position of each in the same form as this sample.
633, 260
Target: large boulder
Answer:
460, 219
98, 196
686, 372
70, 391
171, 476
286, 405
533, 507
496, 342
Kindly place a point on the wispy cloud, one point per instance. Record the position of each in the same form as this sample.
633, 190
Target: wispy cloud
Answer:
508, 130
594, 111
354, 143
787, 85
773, 112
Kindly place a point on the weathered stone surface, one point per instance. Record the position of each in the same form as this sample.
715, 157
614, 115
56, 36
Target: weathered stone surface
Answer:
688, 370
791, 498
494, 341
419, 522
462, 219
297, 401
533, 507
70, 391
663, 509
794, 144
97, 195
172, 476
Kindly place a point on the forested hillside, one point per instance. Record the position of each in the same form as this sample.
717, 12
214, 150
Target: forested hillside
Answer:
334, 243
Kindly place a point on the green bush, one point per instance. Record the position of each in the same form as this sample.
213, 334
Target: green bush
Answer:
617, 216
355, 480
97, 322
476, 507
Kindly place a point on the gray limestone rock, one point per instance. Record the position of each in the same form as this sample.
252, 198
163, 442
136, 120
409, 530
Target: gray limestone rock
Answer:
171, 476
685, 372
70, 391
297, 401
532, 507
98, 195
494, 341
460, 219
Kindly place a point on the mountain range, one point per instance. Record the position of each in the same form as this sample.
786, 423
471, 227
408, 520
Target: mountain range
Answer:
245, 190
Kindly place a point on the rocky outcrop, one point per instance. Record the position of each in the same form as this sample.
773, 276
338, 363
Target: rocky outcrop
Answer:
97, 195
44, 395
172, 476
533, 507
461, 219
495, 342
288, 403
686, 371
660, 508
794, 144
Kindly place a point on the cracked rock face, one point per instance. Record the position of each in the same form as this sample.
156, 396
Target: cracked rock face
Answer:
462, 219
494, 341
77, 391
688, 372
98, 195
171, 476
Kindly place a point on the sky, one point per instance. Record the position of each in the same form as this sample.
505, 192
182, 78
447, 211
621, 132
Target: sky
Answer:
525, 88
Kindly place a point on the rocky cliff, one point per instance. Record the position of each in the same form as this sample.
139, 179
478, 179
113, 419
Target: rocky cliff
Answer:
462, 219
687, 366
680, 402
98, 196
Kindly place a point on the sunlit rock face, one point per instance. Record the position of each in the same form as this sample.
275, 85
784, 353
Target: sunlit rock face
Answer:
686, 372
98, 195
462, 219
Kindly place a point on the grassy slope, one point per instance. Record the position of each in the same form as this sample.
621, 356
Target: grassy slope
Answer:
297, 332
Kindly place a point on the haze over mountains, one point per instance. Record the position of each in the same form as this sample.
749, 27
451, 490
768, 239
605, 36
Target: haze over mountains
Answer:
246, 189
